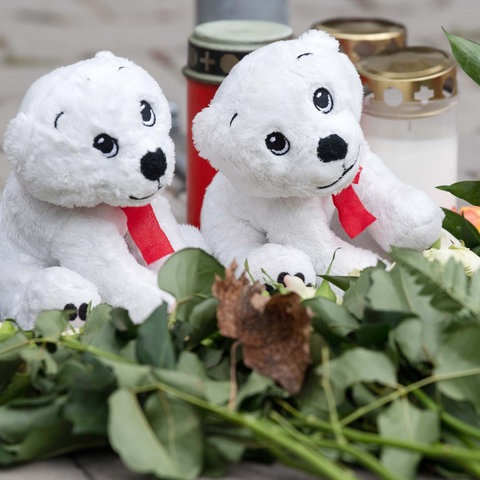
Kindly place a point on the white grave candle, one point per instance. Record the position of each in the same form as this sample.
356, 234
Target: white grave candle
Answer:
409, 119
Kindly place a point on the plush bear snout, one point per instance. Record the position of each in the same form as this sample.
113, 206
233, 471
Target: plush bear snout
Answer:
153, 165
332, 148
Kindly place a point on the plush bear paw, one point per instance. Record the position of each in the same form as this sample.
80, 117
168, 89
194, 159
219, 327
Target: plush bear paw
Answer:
52, 289
348, 259
273, 262
141, 306
281, 280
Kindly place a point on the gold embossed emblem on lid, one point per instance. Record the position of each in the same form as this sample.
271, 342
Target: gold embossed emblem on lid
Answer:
411, 81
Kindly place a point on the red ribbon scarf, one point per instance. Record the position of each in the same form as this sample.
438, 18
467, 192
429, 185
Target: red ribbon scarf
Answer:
353, 215
145, 231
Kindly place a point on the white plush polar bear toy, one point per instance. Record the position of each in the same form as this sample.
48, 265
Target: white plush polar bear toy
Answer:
88, 139
283, 131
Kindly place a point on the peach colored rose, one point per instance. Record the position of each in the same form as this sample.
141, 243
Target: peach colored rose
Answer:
472, 214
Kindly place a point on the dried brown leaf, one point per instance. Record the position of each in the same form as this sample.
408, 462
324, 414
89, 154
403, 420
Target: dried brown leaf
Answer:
273, 331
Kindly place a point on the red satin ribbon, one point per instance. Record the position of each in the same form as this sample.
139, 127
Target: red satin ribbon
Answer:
145, 231
353, 215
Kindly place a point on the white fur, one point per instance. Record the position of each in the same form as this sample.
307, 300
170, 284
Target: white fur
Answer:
276, 211
62, 233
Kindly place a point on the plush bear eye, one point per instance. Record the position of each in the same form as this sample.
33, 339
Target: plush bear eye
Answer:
323, 101
106, 144
148, 115
277, 143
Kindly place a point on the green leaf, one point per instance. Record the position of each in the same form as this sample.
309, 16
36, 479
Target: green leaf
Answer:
190, 271
11, 346
18, 419
7, 330
90, 383
214, 391
394, 297
354, 299
447, 286
359, 365
461, 228
467, 54
395, 291
111, 332
202, 321
48, 441
51, 324
125, 328
468, 190
98, 317
189, 275
41, 367
154, 345
342, 282
133, 438
460, 354
376, 326
407, 338
129, 375
331, 319
403, 421
17, 385
220, 453
178, 427
186, 382
255, 384
312, 398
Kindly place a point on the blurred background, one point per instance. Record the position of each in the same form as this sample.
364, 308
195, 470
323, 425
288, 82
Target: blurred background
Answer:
38, 35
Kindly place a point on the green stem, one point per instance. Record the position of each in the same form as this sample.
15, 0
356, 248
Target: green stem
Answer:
363, 458
453, 422
268, 431
81, 347
450, 452
17, 346
67, 342
330, 397
405, 390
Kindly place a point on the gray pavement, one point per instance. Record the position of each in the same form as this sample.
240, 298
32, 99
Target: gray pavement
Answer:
38, 35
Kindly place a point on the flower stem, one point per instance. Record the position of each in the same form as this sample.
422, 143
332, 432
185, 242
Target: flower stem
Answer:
268, 431
448, 452
405, 390
453, 422
364, 458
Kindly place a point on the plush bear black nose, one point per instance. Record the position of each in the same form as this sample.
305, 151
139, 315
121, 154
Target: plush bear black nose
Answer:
153, 165
332, 148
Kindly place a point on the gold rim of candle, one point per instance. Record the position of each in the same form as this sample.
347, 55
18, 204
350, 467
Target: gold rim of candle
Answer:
359, 36
409, 70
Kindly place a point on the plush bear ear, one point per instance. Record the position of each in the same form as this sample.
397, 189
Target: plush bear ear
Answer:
204, 127
17, 138
105, 54
319, 39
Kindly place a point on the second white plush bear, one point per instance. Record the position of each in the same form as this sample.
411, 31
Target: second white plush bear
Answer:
81, 215
283, 130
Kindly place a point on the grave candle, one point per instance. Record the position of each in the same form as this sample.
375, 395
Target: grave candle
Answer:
213, 49
409, 116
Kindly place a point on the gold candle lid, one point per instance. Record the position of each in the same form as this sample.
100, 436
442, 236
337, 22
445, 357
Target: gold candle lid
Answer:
360, 37
411, 81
